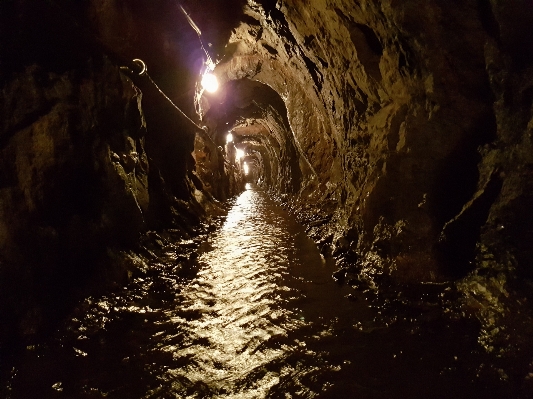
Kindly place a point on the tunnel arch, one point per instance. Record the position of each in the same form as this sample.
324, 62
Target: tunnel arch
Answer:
256, 116
365, 139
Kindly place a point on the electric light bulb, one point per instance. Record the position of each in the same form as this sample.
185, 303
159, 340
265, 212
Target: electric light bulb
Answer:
210, 82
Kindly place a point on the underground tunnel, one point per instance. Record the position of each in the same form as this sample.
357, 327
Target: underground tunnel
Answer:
266, 199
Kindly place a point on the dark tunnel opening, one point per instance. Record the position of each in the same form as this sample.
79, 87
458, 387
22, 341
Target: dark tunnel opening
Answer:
256, 116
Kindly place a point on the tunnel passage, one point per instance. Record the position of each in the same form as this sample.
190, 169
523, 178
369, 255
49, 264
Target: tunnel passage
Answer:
398, 132
372, 160
256, 117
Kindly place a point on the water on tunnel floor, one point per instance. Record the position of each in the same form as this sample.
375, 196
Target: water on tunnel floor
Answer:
262, 318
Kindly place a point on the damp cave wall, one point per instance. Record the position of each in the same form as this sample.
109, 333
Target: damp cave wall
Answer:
92, 157
412, 125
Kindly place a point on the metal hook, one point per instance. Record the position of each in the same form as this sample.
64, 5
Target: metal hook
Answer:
142, 65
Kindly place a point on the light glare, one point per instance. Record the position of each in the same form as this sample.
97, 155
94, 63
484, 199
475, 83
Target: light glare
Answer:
210, 82
246, 168
239, 154
229, 138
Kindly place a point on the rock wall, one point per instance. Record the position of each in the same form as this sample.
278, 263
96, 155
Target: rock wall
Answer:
412, 124
398, 110
92, 156
74, 174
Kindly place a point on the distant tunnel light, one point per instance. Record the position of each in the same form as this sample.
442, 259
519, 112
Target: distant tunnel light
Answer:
246, 168
210, 82
229, 138
239, 154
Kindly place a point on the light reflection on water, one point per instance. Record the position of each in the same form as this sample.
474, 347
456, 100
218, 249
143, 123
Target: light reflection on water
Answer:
246, 302
261, 319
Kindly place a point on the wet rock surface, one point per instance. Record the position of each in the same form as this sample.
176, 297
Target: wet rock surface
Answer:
90, 159
73, 177
404, 117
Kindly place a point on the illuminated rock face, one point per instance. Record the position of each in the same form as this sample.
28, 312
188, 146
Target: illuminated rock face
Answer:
400, 132
399, 115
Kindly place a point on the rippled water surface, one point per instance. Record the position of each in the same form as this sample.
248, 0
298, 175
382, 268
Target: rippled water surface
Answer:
262, 318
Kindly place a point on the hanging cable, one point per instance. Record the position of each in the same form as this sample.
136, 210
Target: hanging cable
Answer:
209, 62
92, 37
144, 72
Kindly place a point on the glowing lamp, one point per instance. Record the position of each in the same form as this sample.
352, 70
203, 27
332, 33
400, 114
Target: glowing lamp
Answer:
229, 138
210, 82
